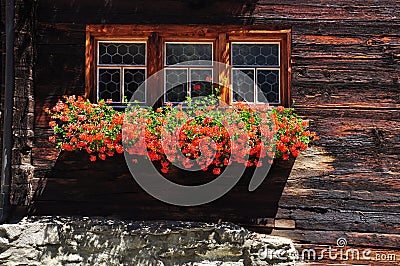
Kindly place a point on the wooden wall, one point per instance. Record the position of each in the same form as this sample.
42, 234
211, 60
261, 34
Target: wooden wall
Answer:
346, 70
346, 80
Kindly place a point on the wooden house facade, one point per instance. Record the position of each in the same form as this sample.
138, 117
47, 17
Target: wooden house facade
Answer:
342, 73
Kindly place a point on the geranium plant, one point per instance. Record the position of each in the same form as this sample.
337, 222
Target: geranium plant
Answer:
291, 133
201, 133
81, 125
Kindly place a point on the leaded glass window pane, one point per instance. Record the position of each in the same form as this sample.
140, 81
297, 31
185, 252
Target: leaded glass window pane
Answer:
121, 70
255, 54
133, 78
201, 82
183, 52
268, 86
176, 84
109, 84
260, 63
243, 85
122, 53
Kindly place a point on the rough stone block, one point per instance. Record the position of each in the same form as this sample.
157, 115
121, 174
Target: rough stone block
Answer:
23, 120
22, 173
100, 241
26, 104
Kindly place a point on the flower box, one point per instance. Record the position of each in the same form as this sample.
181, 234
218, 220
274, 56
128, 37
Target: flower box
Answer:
108, 188
242, 137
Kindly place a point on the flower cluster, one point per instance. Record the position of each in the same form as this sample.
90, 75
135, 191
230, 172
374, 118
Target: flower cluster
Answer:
291, 135
81, 125
200, 134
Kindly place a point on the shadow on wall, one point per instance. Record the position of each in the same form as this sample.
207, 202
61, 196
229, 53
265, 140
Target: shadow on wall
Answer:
76, 186
148, 12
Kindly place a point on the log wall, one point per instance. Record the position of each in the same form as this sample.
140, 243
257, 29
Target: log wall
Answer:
346, 80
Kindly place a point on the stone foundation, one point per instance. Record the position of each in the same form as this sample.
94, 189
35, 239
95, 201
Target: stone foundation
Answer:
100, 241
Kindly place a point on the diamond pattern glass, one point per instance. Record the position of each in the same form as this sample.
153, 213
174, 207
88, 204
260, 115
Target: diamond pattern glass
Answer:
122, 53
183, 52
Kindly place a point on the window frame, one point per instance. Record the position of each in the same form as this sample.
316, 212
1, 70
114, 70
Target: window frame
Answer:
121, 67
189, 68
156, 36
255, 68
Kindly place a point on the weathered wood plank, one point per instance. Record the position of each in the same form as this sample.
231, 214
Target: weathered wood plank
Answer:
323, 200
346, 255
60, 33
342, 3
331, 95
327, 38
349, 220
372, 181
62, 62
344, 60
369, 115
59, 71
143, 5
170, 11
331, 236
345, 28
353, 76
332, 52
327, 12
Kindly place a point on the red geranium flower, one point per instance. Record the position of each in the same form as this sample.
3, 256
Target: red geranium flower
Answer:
196, 87
119, 148
217, 171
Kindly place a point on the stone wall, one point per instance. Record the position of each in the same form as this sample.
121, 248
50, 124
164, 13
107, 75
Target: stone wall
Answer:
100, 241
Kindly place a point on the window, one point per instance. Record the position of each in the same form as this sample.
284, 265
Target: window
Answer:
255, 73
119, 58
187, 79
121, 69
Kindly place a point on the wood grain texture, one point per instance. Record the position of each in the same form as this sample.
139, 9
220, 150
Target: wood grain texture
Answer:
157, 12
347, 255
354, 238
345, 10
